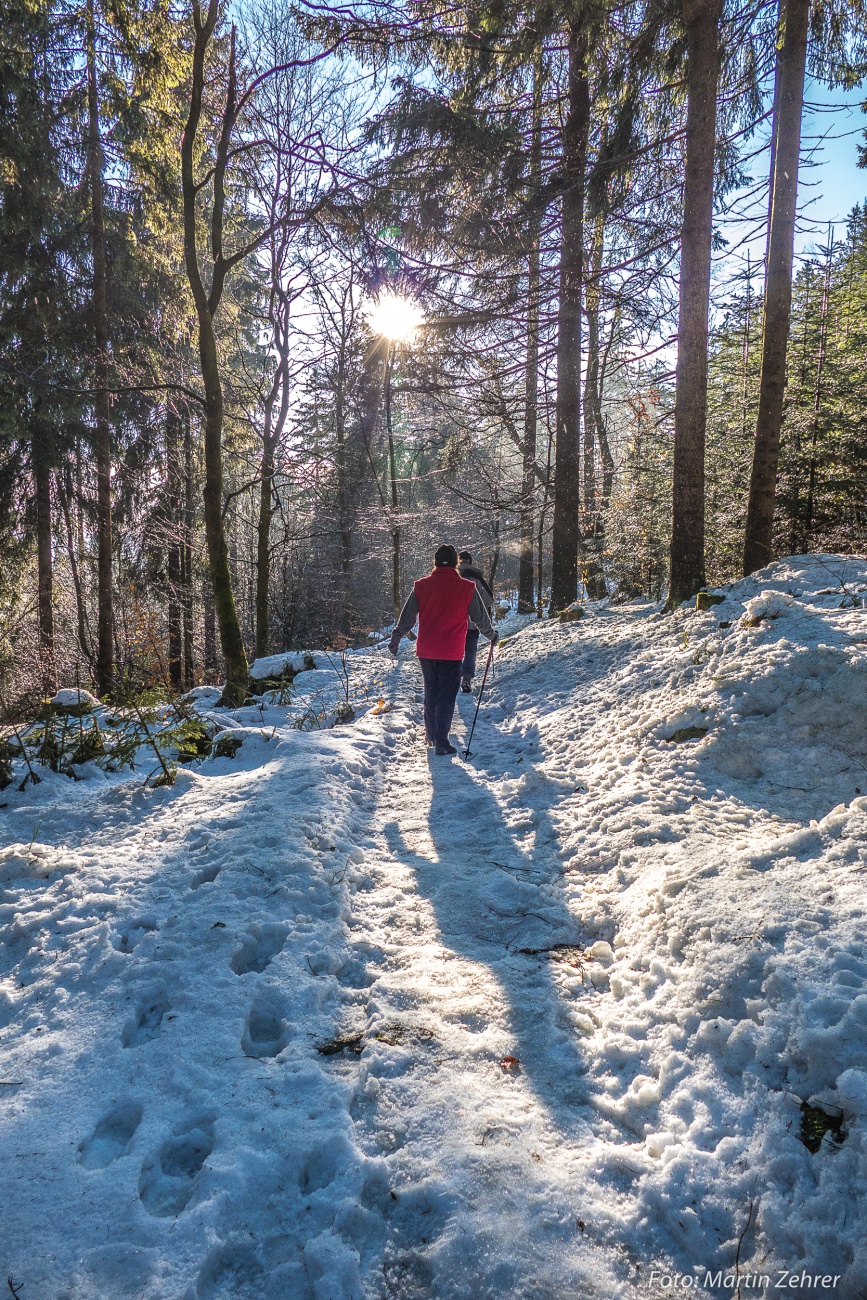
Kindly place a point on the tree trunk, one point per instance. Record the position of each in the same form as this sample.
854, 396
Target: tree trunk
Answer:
42, 491
531, 398
187, 553
102, 447
173, 565
231, 640
748, 324
701, 19
274, 423
263, 540
210, 636
344, 527
593, 525
817, 394
605, 453
81, 610
591, 379
392, 469
540, 532
495, 555
789, 102
567, 501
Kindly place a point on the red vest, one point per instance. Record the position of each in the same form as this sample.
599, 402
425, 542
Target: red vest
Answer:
444, 599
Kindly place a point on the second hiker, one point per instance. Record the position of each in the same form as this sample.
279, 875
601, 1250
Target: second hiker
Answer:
466, 570
444, 603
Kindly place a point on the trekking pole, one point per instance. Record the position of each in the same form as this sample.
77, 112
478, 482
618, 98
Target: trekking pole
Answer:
479, 705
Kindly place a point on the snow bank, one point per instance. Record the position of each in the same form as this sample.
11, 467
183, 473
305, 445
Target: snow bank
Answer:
819, 581
163, 990
716, 835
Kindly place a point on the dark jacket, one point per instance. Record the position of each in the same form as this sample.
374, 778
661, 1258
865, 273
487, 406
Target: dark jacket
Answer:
485, 593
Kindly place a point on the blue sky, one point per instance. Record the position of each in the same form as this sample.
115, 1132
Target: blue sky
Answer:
831, 181
830, 184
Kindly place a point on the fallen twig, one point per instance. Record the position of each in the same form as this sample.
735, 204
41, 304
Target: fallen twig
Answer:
738, 1252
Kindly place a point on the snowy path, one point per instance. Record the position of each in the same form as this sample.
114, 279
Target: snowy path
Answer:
252, 1026
459, 878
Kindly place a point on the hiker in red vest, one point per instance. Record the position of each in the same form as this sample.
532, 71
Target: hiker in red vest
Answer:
444, 603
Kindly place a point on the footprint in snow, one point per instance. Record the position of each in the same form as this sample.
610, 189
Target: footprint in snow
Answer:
474, 1024
168, 1179
204, 877
355, 972
147, 1023
266, 1030
231, 1271
259, 948
130, 935
270, 841
323, 1164
111, 1137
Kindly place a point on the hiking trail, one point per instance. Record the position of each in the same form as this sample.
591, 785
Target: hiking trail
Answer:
339, 1018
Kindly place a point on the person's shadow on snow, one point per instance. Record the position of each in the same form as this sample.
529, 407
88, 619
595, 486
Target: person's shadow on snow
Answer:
498, 904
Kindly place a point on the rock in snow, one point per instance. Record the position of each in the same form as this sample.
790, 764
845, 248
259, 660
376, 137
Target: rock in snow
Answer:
253, 1024
73, 697
295, 661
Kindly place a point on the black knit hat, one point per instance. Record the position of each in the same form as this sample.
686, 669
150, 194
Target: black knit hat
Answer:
446, 557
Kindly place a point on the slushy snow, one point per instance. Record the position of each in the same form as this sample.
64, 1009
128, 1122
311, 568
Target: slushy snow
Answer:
337, 1018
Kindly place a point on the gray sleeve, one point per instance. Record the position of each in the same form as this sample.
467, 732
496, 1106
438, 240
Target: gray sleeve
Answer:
479, 615
406, 622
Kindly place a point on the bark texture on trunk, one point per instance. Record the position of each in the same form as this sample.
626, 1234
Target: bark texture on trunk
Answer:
207, 303
566, 538
531, 395
102, 442
788, 109
687, 575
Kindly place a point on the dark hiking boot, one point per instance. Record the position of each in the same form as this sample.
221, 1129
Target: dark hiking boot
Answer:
446, 749
466, 685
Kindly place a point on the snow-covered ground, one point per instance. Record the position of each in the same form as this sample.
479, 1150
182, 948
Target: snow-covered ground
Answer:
337, 1018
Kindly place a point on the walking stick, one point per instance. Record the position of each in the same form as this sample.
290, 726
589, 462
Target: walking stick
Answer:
479, 705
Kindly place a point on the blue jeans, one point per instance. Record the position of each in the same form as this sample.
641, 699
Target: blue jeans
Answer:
468, 667
442, 677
